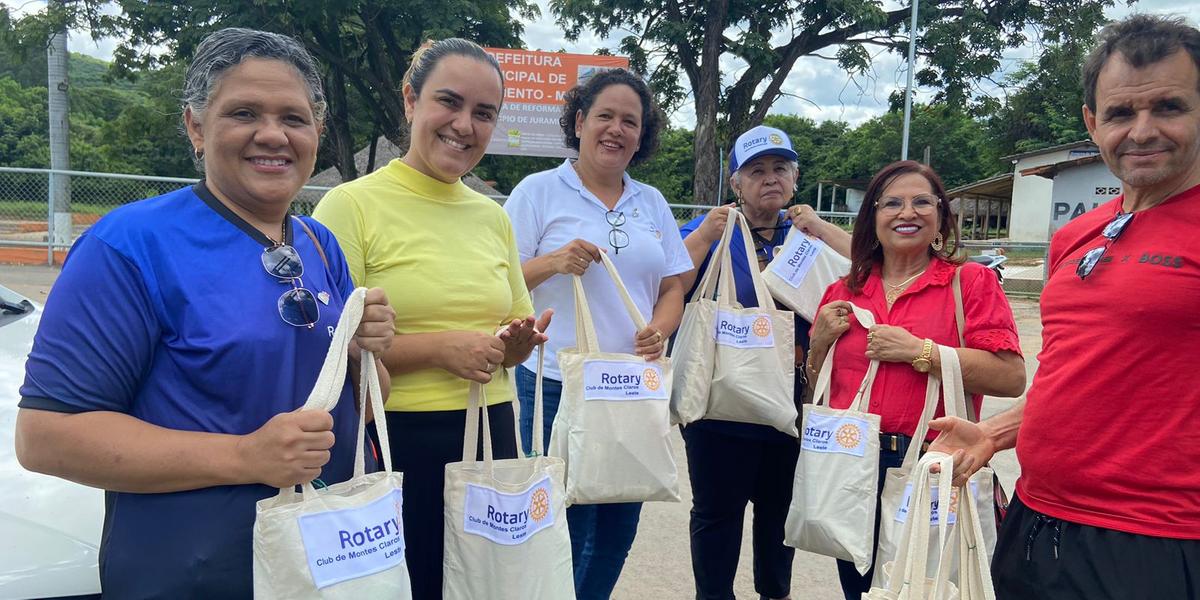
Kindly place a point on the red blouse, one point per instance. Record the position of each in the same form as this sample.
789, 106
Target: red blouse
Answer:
926, 310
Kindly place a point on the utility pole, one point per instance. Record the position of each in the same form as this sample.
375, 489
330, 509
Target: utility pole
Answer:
912, 52
60, 227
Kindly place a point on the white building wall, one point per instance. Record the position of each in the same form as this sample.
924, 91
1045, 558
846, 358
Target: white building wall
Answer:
1030, 219
1078, 190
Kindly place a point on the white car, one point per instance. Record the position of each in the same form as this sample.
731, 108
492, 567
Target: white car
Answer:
49, 527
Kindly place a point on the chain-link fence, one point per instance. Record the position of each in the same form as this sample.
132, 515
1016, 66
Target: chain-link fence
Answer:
29, 221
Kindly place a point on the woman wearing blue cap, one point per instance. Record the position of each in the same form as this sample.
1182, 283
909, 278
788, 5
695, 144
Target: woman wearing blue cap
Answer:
730, 463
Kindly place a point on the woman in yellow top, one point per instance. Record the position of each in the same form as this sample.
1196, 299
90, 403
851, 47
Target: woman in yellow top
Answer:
447, 257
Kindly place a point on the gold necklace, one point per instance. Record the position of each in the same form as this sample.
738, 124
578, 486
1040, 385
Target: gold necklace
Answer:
893, 292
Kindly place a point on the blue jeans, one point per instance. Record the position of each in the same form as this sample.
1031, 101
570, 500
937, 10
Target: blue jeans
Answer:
601, 534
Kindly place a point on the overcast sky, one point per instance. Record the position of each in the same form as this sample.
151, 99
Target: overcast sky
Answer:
816, 88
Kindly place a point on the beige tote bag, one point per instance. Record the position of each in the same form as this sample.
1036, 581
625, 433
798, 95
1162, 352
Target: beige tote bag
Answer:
894, 502
346, 540
908, 579
506, 534
613, 423
837, 475
747, 352
803, 269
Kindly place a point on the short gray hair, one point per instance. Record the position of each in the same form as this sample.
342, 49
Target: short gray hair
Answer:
222, 50
1142, 40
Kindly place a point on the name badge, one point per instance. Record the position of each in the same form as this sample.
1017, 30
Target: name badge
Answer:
934, 510
796, 258
623, 380
354, 542
834, 434
508, 519
743, 330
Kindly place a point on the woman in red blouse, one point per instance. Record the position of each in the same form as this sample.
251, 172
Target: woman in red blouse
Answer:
902, 267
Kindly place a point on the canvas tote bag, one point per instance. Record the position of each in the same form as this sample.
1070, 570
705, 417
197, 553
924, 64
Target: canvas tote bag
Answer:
908, 579
803, 269
506, 534
747, 353
894, 502
837, 474
613, 423
345, 540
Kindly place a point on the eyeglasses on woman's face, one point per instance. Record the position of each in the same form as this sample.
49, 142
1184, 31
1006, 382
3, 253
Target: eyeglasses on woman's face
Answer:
923, 204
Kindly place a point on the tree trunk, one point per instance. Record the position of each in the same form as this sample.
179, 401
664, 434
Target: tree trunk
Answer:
338, 123
706, 178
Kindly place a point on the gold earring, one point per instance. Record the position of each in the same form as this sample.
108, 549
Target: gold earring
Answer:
939, 242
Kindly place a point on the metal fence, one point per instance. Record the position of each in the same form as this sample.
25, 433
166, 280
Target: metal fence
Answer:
28, 220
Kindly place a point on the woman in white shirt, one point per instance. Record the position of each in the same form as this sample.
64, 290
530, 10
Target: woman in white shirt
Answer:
563, 219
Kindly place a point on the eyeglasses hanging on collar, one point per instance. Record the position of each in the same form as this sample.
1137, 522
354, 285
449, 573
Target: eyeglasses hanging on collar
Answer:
617, 238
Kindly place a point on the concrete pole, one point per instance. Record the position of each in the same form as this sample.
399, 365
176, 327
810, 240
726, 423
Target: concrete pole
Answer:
820, 193
912, 51
59, 225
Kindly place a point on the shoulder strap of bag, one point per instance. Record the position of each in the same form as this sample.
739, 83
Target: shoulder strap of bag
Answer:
960, 321
308, 231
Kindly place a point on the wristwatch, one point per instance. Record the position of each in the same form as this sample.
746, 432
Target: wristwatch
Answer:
924, 361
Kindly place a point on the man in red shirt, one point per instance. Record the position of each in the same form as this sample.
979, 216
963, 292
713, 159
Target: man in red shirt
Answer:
1108, 503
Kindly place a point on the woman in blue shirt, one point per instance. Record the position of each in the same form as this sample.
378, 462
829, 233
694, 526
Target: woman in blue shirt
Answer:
186, 329
730, 463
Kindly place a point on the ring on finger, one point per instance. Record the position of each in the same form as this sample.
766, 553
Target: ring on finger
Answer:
491, 368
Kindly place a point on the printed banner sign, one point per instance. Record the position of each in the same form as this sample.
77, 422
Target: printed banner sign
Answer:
800, 253
743, 330
508, 519
834, 434
534, 86
354, 542
623, 380
934, 512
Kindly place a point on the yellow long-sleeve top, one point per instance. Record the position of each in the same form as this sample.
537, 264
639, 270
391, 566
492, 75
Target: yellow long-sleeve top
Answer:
447, 258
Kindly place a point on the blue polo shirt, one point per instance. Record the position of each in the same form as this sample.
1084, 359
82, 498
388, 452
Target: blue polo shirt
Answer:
164, 312
747, 298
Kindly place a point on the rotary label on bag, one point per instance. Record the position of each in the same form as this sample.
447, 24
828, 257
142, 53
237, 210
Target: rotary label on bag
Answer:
354, 542
623, 380
797, 258
934, 510
835, 434
743, 330
508, 519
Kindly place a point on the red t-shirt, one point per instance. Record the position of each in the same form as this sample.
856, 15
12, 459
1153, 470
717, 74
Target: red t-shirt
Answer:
1111, 433
926, 310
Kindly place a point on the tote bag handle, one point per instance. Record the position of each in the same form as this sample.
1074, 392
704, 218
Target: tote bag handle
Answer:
330, 381
862, 398
585, 327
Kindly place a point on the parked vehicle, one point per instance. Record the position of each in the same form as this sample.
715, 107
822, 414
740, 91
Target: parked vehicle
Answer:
49, 527
995, 262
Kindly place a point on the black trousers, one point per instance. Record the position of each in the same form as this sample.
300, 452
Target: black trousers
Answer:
727, 471
422, 444
1042, 558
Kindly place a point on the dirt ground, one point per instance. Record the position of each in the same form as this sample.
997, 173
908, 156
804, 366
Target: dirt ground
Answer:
659, 565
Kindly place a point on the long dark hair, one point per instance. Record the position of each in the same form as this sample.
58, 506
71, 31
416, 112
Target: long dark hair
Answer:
865, 251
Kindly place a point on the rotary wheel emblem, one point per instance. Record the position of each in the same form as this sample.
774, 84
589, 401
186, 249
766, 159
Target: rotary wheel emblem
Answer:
762, 327
650, 380
539, 505
847, 436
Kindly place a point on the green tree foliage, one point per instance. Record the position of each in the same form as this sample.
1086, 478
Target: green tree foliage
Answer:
960, 41
363, 46
1046, 109
961, 150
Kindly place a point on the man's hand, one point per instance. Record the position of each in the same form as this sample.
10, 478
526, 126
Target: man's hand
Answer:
968, 444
